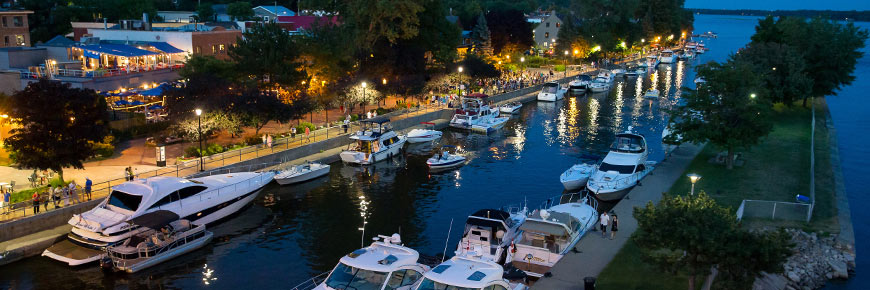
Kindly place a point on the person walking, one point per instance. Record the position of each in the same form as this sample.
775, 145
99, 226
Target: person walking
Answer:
35, 198
88, 185
45, 198
65, 193
126, 175
614, 226
7, 197
74, 192
293, 132
346, 123
55, 196
307, 134
604, 220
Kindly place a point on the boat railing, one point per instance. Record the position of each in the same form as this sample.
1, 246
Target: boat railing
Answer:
312, 282
627, 181
582, 196
249, 183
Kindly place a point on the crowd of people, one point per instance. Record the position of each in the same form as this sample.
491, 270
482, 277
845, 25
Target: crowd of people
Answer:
62, 195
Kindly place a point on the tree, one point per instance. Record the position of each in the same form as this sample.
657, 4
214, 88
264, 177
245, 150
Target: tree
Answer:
270, 54
476, 67
726, 110
198, 65
56, 125
240, 10
481, 37
204, 12
745, 255
782, 68
509, 27
389, 20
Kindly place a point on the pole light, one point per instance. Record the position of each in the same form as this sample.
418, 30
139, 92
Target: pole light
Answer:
693, 177
566, 63
199, 124
460, 81
752, 95
364, 85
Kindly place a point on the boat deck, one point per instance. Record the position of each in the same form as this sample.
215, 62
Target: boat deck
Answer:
531, 268
69, 250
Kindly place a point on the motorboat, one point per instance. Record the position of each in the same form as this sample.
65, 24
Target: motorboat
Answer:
600, 84
667, 56
700, 49
467, 272
446, 160
201, 201
632, 71
302, 173
385, 264
552, 231
551, 92
623, 167
510, 108
617, 71
652, 94
424, 135
580, 84
489, 233
699, 81
476, 115
164, 238
576, 176
376, 141
652, 60
685, 55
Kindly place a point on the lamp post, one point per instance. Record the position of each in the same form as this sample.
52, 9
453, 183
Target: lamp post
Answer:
523, 68
384, 82
364, 85
199, 124
459, 87
566, 64
693, 177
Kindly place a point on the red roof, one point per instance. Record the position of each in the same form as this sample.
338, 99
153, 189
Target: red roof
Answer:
305, 21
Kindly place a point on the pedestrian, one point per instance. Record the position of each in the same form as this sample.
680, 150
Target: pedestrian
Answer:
293, 132
269, 141
46, 196
4, 203
55, 196
74, 192
307, 136
126, 175
264, 139
88, 185
35, 198
369, 115
604, 220
346, 123
65, 192
614, 226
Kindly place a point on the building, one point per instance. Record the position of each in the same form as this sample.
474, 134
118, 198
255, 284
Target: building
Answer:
191, 38
546, 30
298, 24
177, 16
269, 13
14, 31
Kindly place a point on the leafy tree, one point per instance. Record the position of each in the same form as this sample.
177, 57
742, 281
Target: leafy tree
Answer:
258, 108
240, 10
207, 65
56, 125
745, 255
481, 37
437, 35
726, 110
389, 20
205, 12
782, 68
509, 27
477, 67
271, 55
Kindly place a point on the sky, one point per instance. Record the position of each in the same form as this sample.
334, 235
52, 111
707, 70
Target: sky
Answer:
781, 4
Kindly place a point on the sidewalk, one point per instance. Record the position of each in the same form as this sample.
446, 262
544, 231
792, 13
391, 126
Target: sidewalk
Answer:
596, 252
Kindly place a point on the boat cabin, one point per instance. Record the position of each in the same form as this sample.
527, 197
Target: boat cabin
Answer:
628, 143
374, 130
553, 233
485, 231
382, 264
550, 88
667, 53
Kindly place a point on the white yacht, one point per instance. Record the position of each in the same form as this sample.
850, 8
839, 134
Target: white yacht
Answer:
464, 272
200, 200
580, 84
602, 82
551, 92
667, 56
446, 160
575, 177
476, 115
424, 135
548, 234
489, 234
375, 142
511, 108
700, 49
652, 94
302, 173
623, 167
652, 60
384, 264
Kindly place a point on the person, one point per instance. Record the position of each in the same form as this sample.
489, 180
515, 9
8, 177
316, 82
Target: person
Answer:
88, 185
35, 198
46, 196
55, 196
604, 220
293, 132
368, 115
346, 123
307, 136
65, 193
264, 139
614, 226
269, 141
74, 192
7, 197
126, 175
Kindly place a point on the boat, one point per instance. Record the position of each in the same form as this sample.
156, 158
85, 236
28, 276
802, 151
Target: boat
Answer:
576, 176
652, 60
376, 141
580, 84
632, 71
476, 115
164, 238
601, 83
446, 160
699, 81
617, 71
511, 107
489, 233
424, 135
464, 272
684, 55
700, 49
551, 92
652, 94
667, 56
552, 231
201, 201
623, 167
302, 173
385, 264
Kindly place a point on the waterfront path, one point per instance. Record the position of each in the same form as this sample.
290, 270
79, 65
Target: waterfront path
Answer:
593, 252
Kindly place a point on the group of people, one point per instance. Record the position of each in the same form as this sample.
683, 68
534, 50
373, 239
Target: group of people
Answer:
128, 174
609, 220
66, 194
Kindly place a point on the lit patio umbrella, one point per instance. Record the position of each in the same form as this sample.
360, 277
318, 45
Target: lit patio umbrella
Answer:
155, 107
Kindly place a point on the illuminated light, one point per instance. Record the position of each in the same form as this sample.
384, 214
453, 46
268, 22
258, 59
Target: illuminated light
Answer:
364, 84
642, 40
566, 52
522, 59
384, 81
774, 68
576, 51
459, 69
198, 112
752, 95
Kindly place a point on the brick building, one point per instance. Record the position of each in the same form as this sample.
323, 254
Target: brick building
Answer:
14, 31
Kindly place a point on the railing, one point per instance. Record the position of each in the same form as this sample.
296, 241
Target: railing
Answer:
312, 282
767, 209
98, 73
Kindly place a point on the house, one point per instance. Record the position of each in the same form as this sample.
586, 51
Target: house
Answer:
177, 16
297, 24
14, 30
546, 29
269, 13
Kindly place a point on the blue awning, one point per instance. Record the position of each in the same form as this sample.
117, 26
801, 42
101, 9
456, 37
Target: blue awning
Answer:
156, 91
115, 49
165, 47
137, 103
121, 103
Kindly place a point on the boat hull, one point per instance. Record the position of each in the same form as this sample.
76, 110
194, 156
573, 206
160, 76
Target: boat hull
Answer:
612, 195
599, 89
446, 165
510, 110
354, 157
490, 127
574, 184
547, 97
303, 177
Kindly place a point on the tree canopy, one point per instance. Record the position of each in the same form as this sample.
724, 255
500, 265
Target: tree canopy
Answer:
240, 10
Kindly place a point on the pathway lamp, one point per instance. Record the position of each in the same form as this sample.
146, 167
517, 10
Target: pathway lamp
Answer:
459, 87
566, 63
752, 96
364, 85
199, 125
693, 177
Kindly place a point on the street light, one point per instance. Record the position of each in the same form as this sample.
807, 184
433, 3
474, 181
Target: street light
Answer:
364, 85
566, 63
199, 124
460, 81
693, 177
752, 96
523, 63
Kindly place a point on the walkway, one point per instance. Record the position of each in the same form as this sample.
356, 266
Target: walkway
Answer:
596, 252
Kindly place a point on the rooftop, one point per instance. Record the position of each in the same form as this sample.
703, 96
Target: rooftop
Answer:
277, 10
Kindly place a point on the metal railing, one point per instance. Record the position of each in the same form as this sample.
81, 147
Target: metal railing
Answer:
75, 73
768, 209
312, 282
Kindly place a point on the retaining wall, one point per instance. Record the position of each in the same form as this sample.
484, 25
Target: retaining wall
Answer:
29, 225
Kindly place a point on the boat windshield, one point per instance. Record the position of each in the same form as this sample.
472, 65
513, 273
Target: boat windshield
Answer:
124, 200
347, 277
550, 89
432, 285
622, 169
628, 143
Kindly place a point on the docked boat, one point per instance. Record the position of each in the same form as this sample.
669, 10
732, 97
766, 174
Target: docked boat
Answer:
164, 238
375, 142
476, 115
700, 49
623, 167
201, 201
424, 135
617, 71
551, 92
699, 81
446, 160
549, 233
652, 60
652, 94
385, 264
667, 56
302, 173
633, 71
575, 177
601, 83
511, 108
580, 84
489, 233
464, 272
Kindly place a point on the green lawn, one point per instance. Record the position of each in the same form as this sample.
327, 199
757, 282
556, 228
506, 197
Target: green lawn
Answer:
627, 272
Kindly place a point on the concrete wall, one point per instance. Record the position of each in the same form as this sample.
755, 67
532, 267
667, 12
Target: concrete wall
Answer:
49, 220
21, 57
10, 82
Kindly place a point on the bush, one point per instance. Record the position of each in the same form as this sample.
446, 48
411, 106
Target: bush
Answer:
536, 61
106, 148
381, 111
192, 151
300, 129
559, 67
138, 131
253, 140
213, 149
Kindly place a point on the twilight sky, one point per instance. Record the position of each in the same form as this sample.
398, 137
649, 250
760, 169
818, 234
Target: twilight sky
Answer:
781, 4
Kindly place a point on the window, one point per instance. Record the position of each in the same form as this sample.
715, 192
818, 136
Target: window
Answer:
190, 191
432, 285
347, 277
4, 22
172, 197
17, 21
622, 169
124, 200
402, 278
214, 49
19, 40
198, 49
558, 24
266, 18
221, 48
548, 24
546, 35
6, 40
495, 287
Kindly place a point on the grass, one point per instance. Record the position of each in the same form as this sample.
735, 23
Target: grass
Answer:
627, 272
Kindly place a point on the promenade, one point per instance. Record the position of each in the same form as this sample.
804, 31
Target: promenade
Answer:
593, 252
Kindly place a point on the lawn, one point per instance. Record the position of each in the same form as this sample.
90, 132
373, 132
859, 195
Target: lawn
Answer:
627, 272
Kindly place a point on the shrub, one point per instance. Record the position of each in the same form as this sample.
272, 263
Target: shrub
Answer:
192, 151
536, 61
213, 149
559, 67
253, 140
300, 129
381, 111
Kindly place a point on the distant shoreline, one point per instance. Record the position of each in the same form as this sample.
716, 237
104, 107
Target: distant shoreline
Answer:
855, 15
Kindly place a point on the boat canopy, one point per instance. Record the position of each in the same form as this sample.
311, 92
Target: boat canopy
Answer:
377, 120
547, 228
584, 77
492, 218
628, 143
155, 219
